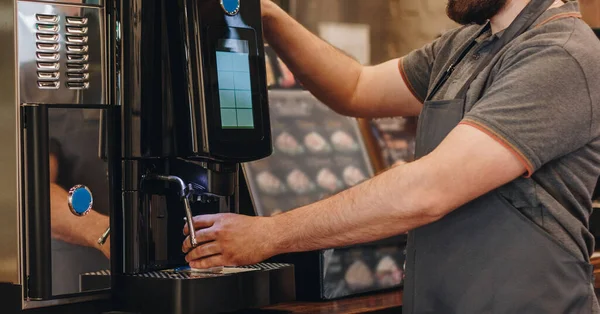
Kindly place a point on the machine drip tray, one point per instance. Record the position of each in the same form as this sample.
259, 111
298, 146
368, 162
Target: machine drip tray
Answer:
189, 292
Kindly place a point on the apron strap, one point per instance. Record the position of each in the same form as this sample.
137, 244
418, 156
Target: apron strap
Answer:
455, 60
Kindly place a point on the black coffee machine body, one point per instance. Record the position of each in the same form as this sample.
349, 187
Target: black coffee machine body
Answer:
149, 106
189, 77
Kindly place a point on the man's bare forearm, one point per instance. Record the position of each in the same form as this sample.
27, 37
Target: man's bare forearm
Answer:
403, 198
390, 204
84, 231
326, 72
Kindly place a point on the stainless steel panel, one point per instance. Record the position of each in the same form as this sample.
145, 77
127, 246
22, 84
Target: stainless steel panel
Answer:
64, 301
77, 2
55, 38
9, 161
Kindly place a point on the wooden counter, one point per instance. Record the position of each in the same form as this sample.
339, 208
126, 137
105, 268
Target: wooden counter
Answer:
387, 302
595, 260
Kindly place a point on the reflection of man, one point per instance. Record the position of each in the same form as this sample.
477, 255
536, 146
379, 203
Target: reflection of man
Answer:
84, 231
74, 160
498, 202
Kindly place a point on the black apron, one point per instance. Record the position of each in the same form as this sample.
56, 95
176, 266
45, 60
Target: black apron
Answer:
487, 257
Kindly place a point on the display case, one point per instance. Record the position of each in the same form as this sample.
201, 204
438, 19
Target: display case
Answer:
316, 154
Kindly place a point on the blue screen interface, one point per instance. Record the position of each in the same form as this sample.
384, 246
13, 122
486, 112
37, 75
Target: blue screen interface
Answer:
235, 88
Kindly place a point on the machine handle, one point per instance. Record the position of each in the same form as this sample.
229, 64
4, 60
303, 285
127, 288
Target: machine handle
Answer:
102, 138
36, 183
190, 222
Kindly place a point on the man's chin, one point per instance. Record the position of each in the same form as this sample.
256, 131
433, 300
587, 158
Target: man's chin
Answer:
467, 12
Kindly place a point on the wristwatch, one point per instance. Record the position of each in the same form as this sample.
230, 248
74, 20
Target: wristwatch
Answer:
104, 236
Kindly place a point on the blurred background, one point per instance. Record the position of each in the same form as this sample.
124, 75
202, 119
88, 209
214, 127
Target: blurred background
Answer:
394, 27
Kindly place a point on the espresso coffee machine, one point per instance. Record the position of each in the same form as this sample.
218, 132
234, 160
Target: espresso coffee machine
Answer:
171, 96
193, 97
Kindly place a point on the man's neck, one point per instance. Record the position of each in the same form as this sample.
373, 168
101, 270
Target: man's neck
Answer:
509, 13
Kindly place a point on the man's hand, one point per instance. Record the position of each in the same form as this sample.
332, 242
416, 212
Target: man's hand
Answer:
333, 77
229, 240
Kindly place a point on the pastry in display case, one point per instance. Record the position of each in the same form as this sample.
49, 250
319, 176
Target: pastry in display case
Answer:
286, 143
343, 142
328, 181
316, 143
299, 182
269, 183
353, 175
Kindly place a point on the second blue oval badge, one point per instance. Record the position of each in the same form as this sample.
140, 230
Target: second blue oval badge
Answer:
231, 7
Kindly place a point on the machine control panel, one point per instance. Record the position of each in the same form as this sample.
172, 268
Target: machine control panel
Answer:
235, 88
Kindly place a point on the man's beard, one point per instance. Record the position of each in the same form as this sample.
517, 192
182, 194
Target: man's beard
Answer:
473, 11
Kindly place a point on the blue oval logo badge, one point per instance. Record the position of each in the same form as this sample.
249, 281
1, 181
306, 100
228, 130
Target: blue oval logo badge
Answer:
231, 7
80, 200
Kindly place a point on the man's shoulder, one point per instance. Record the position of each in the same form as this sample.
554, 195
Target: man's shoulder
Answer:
570, 34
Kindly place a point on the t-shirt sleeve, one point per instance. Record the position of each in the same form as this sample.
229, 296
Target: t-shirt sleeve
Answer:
538, 106
416, 69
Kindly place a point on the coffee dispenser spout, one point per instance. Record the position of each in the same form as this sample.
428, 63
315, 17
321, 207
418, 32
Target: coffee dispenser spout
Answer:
185, 193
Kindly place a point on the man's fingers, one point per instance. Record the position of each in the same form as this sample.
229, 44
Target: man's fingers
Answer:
201, 222
209, 262
202, 236
203, 251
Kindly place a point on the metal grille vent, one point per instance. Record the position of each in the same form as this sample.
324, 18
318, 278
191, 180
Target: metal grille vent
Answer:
266, 266
49, 51
76, 40
192, 275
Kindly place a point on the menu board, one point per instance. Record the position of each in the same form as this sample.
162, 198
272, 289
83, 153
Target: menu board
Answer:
317, 153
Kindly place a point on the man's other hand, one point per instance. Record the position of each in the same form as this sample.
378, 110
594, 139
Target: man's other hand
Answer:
229, 240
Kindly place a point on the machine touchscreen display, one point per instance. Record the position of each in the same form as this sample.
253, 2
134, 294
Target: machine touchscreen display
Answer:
235, 88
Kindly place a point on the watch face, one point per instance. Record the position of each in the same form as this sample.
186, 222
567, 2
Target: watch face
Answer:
231, 7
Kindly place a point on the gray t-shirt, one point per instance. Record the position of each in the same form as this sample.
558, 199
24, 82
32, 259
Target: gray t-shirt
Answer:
539, 98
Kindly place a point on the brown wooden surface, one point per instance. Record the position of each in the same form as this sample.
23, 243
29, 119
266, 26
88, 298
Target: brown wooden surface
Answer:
590, 9
373, 149
388, 302
595, 260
